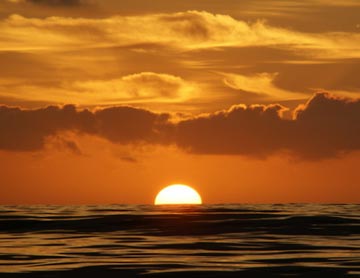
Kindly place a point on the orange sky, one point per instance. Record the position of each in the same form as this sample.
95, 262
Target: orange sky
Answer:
247, 101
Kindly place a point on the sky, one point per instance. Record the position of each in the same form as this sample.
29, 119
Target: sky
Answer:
252, 101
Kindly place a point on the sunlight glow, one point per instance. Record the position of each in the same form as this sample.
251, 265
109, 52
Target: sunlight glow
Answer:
178, 194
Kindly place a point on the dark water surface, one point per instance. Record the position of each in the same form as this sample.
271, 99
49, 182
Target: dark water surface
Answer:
180, 241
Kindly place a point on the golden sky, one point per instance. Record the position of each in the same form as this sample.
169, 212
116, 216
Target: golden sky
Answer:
253, 101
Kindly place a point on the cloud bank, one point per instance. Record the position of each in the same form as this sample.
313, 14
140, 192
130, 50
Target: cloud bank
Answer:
325, 127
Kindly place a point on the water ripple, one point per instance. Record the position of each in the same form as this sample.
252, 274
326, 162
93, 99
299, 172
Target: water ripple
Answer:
174, 241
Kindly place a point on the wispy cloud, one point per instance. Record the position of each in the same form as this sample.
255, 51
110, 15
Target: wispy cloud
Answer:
50, 2
262, 84
185, 30
139, 87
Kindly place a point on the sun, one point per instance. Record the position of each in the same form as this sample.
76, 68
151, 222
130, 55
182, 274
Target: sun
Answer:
178, 194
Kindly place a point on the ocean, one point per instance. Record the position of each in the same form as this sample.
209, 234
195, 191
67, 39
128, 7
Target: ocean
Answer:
229, 240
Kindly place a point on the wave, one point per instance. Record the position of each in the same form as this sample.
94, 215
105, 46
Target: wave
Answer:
177, 241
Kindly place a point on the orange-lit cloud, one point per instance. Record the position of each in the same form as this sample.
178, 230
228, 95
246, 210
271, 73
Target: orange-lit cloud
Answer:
188, 30
326, 126
159, 60
50, 2
139, 87
262, 84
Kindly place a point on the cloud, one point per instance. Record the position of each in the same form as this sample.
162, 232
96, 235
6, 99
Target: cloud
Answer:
329, 125
28, 130
144, 86
127, 125
325, 127
50, 2
246, 130
261, 83
346, 3
184, 30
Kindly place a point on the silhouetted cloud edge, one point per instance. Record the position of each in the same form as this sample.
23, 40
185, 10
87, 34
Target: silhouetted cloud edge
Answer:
325, 127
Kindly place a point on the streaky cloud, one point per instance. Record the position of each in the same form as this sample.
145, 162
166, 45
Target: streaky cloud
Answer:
56, 2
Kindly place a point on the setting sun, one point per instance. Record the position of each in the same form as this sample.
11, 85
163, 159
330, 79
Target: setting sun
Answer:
178, 194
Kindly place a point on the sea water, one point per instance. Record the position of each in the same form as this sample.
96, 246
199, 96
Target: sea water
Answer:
229, 240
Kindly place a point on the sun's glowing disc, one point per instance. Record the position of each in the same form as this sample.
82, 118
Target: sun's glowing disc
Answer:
177, 194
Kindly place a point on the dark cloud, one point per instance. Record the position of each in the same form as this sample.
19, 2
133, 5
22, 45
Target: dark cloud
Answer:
28, 130
130, 125
56, 2
328, 126
325, 127
242, 130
